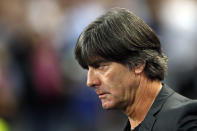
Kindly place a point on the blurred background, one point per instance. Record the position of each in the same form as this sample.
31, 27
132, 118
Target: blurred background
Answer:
42, 88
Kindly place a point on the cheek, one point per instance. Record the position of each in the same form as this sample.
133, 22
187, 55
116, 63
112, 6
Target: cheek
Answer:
115, 78
124, 87
115, 82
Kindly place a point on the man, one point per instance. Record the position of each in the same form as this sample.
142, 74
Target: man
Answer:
126, 66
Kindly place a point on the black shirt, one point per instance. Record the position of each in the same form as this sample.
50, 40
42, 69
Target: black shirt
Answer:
128, 127
169, 112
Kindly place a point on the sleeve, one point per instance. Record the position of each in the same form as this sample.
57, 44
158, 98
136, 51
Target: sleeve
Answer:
189, 124
188, 121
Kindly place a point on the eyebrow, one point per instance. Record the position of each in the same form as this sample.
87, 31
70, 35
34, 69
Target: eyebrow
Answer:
96, 63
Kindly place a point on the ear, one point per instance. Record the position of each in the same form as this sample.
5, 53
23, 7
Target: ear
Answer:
138, 69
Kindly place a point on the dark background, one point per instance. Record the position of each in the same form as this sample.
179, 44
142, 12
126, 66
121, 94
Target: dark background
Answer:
42, 88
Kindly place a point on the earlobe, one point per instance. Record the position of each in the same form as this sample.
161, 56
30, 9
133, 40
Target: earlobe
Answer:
139, 68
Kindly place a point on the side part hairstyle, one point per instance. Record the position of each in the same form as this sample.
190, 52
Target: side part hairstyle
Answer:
120, 36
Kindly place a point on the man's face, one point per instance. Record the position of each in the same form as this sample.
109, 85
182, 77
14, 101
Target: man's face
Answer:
114, 83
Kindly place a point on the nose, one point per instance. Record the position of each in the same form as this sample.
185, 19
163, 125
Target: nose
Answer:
92, 78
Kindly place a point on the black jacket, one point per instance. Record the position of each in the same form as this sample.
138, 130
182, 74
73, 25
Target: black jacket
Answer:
170, 112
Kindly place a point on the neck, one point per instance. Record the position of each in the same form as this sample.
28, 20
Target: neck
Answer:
145, 96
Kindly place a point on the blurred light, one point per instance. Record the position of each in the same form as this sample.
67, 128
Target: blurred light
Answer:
44, 16
179, 14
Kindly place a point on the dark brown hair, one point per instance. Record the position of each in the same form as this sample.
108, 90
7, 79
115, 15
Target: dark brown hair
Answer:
120, 36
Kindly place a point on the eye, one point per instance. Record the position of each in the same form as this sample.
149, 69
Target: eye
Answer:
102, 66
97, 66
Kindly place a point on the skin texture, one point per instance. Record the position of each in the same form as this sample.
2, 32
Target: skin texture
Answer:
119, 87
114, 83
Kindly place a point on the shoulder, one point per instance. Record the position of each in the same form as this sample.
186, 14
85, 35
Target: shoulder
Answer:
178, 113
179, 104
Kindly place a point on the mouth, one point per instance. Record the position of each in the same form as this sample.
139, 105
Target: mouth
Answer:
102, 94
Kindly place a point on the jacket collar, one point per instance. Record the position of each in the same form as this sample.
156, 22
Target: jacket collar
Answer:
150, 118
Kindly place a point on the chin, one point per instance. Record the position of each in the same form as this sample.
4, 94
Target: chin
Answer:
108, 105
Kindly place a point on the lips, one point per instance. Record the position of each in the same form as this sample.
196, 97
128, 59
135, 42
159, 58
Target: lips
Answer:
101, 94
